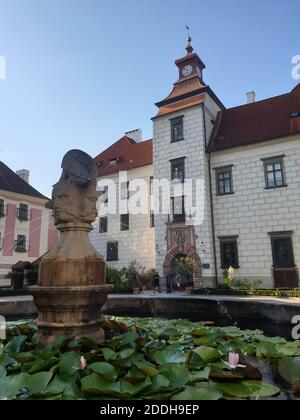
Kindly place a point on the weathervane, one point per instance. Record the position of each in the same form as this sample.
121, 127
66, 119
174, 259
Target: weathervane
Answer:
189, 33
189, 47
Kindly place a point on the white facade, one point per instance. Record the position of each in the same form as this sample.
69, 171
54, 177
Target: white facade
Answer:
137, 243
253, 212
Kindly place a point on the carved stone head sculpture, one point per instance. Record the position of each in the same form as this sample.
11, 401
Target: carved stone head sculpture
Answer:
75, 196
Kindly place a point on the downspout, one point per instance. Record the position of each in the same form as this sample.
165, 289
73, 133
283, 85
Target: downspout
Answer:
211, 200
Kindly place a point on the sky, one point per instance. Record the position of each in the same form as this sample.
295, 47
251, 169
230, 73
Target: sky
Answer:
80, 73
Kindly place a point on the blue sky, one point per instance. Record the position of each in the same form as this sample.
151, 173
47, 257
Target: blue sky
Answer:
82, 72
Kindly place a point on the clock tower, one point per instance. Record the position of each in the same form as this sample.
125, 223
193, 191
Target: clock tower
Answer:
191, 65
181, 130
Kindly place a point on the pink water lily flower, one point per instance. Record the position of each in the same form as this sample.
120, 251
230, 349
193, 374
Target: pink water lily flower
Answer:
83, 363
233, 361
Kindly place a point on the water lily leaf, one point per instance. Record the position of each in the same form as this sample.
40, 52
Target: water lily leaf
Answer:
126, 354
289, 369
129, 390
201, 375
249, 389
69, 364
24, 357
10, 386
147, 367
200, 332
93, 384
159, 384
169, 332
37, 383
208, 354
14, 345
205, 341
2, 371
66, 388
105, 370
201, 393
177, 374
170, 354
109, 355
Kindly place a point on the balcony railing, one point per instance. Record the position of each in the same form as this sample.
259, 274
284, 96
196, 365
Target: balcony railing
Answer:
21, 246
23, 215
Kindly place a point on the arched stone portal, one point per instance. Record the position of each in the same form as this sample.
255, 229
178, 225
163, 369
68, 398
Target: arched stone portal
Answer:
181, 241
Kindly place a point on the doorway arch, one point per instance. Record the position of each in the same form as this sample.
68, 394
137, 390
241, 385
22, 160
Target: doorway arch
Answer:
189, 252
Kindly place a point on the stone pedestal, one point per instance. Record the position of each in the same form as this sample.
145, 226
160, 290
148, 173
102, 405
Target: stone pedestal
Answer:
72, 289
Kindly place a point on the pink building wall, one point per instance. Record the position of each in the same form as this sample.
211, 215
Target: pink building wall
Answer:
35, 227
9, 231
52, 233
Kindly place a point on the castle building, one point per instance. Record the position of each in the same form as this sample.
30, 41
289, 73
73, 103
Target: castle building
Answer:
26, 226
248, 161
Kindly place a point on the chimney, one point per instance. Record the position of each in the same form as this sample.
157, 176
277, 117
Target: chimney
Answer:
24, 174
136, 135
251, 97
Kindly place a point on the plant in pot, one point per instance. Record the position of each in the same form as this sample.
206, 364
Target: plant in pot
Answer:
133, 273
185, 267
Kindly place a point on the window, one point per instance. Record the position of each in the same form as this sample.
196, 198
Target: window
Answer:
2, 208
274, 172
152, 219
23, 213
104, 195
177, 129
151, 185
103, 222
178, 210
114, 161
20, 244
178, 169
1, 242
112, 251
224, 180
124, 220
124, 190
282, 249
229, 253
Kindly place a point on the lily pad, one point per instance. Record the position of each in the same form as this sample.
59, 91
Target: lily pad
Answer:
198, 394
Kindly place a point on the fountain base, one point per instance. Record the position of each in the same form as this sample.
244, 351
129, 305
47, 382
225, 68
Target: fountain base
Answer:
71, 310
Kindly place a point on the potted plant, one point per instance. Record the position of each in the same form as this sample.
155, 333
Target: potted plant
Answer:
186, 267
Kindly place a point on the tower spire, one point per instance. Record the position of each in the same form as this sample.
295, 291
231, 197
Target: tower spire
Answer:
189, 47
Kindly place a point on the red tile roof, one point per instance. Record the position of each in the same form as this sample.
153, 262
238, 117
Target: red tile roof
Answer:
10, 181
257, 122
130, 155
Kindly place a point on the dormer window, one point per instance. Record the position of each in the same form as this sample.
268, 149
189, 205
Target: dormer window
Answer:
114, 161
295, 122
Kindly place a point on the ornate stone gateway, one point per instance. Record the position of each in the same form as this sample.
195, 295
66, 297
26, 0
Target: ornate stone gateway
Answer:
181, 240
71, 290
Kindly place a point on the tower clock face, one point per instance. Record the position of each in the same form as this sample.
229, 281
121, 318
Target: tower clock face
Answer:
187, 71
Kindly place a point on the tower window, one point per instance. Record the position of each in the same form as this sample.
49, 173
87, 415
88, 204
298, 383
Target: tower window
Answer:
178, 169
177, 133
178, 209
152, 219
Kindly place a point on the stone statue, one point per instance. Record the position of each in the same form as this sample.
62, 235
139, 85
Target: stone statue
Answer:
71, 290
74, 197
